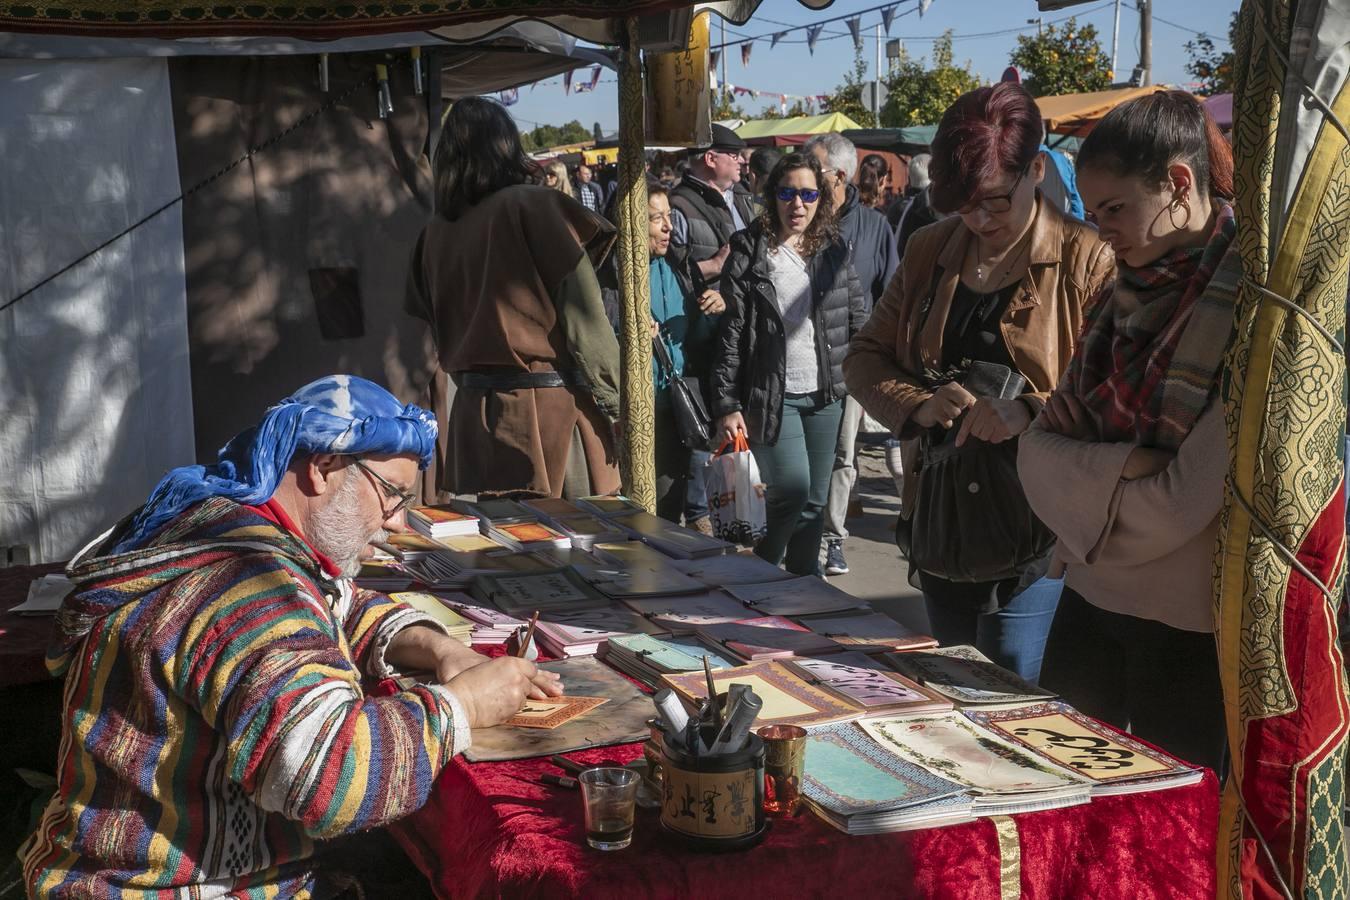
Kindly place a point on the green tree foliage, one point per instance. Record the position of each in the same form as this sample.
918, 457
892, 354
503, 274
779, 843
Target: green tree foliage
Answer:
847, 97
1062, 60
724, 108
545, 136
774, 111
919, 95
1212, 69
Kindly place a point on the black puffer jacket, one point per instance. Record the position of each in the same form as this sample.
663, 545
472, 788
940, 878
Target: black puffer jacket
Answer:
750, 368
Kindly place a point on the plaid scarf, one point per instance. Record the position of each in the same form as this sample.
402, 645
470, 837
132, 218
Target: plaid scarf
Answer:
1149, 356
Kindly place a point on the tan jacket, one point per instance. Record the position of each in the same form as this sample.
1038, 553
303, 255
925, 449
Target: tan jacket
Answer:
1067, 267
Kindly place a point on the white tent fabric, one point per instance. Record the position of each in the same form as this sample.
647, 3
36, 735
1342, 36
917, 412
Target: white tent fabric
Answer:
88, 360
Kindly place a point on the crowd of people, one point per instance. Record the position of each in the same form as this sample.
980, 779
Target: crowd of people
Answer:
1050, 376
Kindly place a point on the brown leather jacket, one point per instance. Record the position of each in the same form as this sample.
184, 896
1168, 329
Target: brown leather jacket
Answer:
1067, 267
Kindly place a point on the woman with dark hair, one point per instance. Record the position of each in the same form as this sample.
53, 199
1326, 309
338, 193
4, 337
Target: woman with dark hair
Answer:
874, 179
684, 320
505, 275
792, 302
960, 355
1127, 462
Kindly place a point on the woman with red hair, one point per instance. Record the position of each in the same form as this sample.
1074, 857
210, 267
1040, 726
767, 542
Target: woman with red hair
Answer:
960, 355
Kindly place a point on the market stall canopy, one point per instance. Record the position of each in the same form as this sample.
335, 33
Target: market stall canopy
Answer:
1078, 113
1220, 106
900, 141
797, 125
665, 23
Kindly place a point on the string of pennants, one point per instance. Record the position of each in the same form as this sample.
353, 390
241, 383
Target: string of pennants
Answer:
810, 101
813, 32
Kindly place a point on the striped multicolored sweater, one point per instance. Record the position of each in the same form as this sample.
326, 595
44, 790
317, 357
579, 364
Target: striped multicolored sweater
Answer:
214, 720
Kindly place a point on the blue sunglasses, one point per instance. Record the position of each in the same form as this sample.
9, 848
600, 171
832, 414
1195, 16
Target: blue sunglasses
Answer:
787, 194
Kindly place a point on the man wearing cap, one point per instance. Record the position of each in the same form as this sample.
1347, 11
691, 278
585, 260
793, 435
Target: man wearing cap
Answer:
215, 722
706, 209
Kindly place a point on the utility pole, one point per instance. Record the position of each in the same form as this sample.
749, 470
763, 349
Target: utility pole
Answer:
1146, 42
726, 93
876, 79
1115, 41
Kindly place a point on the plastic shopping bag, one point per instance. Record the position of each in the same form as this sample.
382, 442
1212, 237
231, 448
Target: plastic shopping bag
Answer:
736, 494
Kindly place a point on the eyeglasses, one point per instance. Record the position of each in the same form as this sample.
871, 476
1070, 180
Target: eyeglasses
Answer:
658, 217
787, 194
999, 203
390, 490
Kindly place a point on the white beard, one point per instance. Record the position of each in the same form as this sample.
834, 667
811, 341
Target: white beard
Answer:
337, 530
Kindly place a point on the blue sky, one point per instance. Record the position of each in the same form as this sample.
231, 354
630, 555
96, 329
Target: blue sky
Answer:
790, 69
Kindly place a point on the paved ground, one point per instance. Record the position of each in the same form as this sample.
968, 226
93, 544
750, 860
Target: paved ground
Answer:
876, 571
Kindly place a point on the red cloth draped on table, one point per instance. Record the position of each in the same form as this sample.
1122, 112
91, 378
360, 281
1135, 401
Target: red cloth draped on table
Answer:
492, 829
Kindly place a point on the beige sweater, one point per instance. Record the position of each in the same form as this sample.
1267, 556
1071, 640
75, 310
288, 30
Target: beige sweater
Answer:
1145, 547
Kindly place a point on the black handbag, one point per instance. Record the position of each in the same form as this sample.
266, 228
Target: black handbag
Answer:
970, 520
686, 400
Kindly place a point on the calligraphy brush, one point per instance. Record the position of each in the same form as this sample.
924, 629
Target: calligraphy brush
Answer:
529, 635
712, 693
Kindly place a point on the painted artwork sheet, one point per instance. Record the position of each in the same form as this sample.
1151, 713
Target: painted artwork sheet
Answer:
869, 684
965, 675
950, 746
788, 698
849, 773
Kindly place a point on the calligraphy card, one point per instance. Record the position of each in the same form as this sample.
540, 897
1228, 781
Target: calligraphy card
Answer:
870, 632
554, 711
1060, 733
788, 698
688, 612
861, 680
967, 676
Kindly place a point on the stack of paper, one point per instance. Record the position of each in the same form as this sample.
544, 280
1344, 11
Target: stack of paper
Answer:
496, 511
730, 569
1004, 779
384, 575
869, 632
769, 637
804, 596
442, 521
411, 545
609, 505
669, 538
966, 676
552, 508
688, 612
1115, 763
460, 628
559, 590
584, 632
860, 788
869, 685
458, 570
647, 658
528, 536
45, 595
491, 625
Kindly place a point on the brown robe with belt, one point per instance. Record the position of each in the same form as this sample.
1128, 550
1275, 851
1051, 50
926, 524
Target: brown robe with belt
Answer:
510, 287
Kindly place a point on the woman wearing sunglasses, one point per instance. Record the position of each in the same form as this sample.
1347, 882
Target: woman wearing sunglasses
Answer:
793, 301
988, 297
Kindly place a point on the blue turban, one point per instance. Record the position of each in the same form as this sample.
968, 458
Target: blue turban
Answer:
338, 414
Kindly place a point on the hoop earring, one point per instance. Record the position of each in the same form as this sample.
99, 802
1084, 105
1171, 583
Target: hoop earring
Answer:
1181, 203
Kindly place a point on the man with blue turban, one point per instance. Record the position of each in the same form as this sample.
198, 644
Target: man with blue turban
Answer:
215, 723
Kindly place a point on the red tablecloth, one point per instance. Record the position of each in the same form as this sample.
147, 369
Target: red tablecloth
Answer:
23, 639
492, 829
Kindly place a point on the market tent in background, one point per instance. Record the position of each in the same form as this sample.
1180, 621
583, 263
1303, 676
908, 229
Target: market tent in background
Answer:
154, 351
790, 132
1078, 113
1220, 106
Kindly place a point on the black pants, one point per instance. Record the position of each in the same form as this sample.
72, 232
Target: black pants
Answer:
672, 467
1159, 682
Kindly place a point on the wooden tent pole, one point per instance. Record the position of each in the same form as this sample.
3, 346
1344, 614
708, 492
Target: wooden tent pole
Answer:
636, 398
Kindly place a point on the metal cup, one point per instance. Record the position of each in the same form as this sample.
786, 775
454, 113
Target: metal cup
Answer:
784, 761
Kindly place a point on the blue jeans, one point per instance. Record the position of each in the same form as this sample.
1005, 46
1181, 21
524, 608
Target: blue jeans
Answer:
796, 472
1013, 637
696, 487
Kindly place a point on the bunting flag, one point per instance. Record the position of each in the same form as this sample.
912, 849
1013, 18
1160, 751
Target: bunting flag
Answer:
595, 77
745, 53
812, 35
923, 7
776, 38
855, 29
887, 17
509, 97
567, 82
